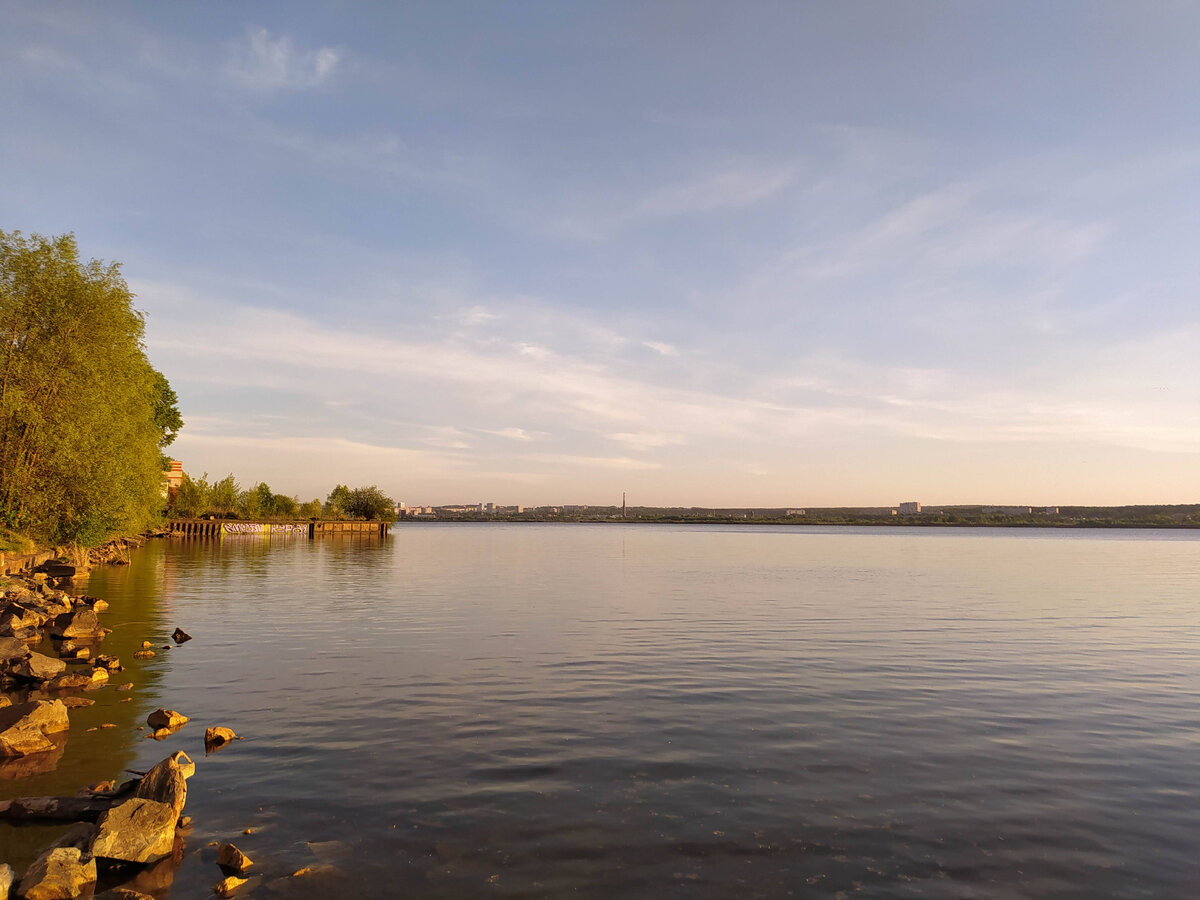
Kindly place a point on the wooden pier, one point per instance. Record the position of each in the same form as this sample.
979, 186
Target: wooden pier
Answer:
239, 527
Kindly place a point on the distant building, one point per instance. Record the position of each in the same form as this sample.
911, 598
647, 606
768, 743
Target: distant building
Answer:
172, 478
909, 508
797, 512
1051, 510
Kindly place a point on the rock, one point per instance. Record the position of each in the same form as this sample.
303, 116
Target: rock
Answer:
137, 830
111, 663
25, 727
76, 702
60, 873
166, 718
317, 870
39, 667
18, 617
78, 623
180, 636
146, 645
184, 823
227, 886
167, 782
122, 893
74, 680
127, 686
4, 701
7, 877
143, 654
231, 858
217, 737
12, 768
11, 648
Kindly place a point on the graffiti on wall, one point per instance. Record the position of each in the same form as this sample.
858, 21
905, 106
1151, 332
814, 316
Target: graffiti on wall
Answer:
283, 528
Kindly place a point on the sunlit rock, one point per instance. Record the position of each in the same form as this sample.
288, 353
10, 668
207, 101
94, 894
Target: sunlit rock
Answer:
137, 830
231, 858
26, 728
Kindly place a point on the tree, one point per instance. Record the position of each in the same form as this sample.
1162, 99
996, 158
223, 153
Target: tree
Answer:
193, 497
258, 502
223, 497
370, 503
83, 415
311, 509
286, 506
335, 503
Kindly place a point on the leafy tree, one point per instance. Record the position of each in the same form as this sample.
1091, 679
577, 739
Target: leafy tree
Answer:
370, 503
286, 506
83, 415
258, 502
193, 497
223, 498
336, 502
311, 509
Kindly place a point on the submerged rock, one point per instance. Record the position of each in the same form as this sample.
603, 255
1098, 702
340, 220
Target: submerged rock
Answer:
59, 874
166, 718
39, 667
231, 858
180, 636
25, 728
217, 737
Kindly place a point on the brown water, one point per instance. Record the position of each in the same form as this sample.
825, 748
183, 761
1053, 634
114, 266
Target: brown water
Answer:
624, 711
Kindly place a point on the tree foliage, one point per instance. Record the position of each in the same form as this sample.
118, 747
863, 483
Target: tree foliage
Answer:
370, 503
83, 415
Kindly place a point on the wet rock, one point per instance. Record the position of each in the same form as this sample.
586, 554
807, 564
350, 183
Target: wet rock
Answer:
4, 701
137, 830
127, 686
11, 648
7, 877
227, 886
123, 893
180, 636
231, 858
25, 728
64, 870
76, 702
167, 782
217, 737
143, 654
76, 680
166, 718
12, 768
146, 645
20, 618
111, 663
39, 667
78, 623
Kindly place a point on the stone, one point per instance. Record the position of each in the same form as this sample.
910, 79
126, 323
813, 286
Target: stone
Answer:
180, 636
78, 623
122, 893
167, 782
146, 645
227, 886
7, 877
39, 667
75, 680
11, 648
111, 663
218, 736
61, 873
166, 718
231, 858
26, 728
137, 830
76, 702
143, 654
127, 686
4, 701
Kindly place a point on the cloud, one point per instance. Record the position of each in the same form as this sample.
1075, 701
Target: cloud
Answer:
513, 434
264, 64
661, 348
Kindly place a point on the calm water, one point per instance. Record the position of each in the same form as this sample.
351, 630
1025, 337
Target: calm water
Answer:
614, 711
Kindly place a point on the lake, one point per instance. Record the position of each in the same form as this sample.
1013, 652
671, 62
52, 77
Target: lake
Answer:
522, 710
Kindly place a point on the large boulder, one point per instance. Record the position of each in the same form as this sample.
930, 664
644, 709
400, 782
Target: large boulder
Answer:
7, 877
25, 727
167, 782
81, 622
20, 619
137, 830
166, 718
12, 649
65, 869
39, 667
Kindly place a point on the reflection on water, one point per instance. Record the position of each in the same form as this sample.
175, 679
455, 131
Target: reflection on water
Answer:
623, 711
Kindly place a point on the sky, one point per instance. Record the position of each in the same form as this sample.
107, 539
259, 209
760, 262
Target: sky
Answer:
710, 254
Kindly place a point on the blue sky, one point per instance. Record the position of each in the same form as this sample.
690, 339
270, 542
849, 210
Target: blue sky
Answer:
706, 253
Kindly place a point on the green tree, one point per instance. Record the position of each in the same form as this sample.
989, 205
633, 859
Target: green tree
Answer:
311, 509
83, 415
223, 498
336, 502
286, 506
370, 503
258, 502
193, 497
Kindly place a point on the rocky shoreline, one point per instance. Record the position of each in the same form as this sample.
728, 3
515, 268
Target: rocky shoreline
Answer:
127, 839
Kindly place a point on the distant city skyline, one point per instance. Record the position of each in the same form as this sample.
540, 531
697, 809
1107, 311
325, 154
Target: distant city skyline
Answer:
761, 255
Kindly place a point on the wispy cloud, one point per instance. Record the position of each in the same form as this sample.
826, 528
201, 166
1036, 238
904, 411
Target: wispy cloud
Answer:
265, 64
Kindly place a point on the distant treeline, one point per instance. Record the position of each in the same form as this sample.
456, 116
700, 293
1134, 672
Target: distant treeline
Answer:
83, 414
226, 499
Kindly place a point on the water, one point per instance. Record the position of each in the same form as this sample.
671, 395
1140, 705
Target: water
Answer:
625, 711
